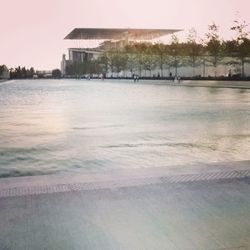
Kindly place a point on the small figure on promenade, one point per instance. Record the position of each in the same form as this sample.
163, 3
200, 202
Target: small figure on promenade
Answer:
179, 79
175, 79
134, 77
170, 75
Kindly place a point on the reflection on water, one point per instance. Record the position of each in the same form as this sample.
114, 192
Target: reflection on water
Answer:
66, 125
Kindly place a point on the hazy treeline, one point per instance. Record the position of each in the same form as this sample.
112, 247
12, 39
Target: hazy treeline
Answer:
21, 73
28, 73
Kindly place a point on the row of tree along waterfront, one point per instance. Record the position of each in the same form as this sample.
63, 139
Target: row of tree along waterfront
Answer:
211, 51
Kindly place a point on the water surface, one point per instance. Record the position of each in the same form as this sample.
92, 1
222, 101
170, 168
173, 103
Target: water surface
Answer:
49, 126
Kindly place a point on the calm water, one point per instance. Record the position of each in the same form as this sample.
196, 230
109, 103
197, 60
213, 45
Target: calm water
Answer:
68, 125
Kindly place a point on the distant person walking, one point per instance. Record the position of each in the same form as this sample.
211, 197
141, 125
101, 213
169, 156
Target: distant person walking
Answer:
170, 75
175, 79
179, 79
134, 77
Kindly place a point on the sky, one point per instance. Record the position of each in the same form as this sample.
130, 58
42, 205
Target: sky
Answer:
32, 31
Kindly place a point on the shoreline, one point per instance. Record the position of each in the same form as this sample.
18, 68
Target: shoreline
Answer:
232, 84
185, 83
218, 85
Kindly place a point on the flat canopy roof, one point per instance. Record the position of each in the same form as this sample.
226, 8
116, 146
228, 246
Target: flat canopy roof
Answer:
118, 34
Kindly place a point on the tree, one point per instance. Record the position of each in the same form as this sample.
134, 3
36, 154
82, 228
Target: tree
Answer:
213, 45
118, 61
140, 49
160, 50
2, 67
241, 44
229, 49
103, 62
24, 72
133, 63
56, 73
193, 49
148, 59
4, 72
18, 72
31, 72
148, 63
175, 51
240, 29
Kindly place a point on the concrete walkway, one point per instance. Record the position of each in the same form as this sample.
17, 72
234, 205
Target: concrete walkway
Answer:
185, 207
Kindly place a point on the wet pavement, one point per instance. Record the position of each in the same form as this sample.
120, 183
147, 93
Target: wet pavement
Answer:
197, 207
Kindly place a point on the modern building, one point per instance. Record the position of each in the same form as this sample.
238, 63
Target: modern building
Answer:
108, 38
118, 34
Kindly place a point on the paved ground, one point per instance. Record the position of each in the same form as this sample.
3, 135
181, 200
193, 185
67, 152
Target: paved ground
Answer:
197, 207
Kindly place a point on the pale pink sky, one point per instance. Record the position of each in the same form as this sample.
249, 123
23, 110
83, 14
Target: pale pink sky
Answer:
32, 31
